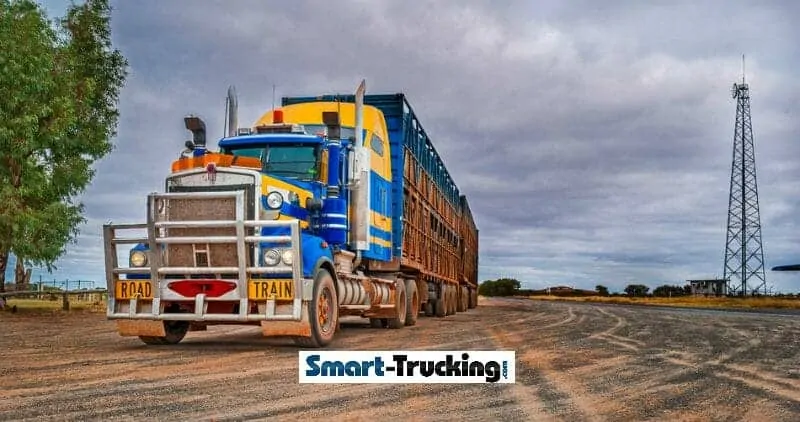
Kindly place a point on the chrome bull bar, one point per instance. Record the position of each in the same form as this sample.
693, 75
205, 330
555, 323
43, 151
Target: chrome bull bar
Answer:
303, 288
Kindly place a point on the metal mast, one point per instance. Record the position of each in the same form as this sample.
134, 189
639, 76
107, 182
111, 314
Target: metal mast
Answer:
744, 255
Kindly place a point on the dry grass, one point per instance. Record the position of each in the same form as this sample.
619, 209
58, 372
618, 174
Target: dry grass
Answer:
38, 306
687, 301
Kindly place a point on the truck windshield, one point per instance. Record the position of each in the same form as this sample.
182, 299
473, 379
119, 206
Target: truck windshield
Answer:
347, 132
299, 161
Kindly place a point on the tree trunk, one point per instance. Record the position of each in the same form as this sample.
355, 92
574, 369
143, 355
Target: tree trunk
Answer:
3, 265
20, 276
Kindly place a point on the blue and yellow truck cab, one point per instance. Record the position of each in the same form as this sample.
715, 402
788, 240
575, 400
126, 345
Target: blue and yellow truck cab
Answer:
325, 207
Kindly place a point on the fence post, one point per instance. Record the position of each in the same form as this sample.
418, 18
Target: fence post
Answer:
65, 302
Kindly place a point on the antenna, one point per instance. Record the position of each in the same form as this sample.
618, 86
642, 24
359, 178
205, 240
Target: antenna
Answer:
744, 252
743, 81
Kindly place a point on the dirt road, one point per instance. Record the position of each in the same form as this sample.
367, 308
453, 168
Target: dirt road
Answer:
575, 362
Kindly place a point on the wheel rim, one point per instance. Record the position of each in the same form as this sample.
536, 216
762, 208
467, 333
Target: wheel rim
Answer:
324, 310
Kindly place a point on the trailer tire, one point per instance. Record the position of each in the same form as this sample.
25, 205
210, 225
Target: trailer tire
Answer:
324, 301
472, 298
452, 299
412, 303
428, 308
440, 304
462, 298
175, 330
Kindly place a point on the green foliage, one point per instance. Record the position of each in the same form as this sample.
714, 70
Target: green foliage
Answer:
672, 291
60, 86
499, 287
637, 290
601, 290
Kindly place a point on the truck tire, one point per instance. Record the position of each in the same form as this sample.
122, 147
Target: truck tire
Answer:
378, 322
175, 330
428, 307
452, 299
462, 299
473, 295
440, 303
323, 312
401, 305
412, 303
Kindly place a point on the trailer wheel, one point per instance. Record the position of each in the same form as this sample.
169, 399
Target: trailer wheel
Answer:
378, 322
452, 299
401, 305
428, 308
462, 298
412, 303
323, 312
472, 296
440, 304
175, 330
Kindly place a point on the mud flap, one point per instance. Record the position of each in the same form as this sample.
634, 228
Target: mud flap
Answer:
300, 328
134, 328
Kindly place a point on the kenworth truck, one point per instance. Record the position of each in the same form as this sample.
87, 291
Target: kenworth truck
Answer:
326, 207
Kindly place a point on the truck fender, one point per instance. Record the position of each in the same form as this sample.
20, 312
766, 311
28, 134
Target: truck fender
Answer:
327, 263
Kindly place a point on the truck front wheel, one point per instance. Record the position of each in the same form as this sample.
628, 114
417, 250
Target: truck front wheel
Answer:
323, 312
175, 330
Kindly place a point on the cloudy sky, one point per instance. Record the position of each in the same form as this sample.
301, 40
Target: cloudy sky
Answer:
592, 138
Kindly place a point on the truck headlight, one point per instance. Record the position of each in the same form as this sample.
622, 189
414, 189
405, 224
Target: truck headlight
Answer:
287, 256
272, 257
274, 200
138, 259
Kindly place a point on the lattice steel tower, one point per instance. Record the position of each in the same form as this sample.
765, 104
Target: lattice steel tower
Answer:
744, 255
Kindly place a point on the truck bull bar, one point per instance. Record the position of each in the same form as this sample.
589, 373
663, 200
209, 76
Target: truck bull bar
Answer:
303, 288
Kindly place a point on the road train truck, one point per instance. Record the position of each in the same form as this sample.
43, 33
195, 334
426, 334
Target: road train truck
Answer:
328, 206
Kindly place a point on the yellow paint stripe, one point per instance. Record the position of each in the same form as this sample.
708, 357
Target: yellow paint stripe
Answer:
382, 222
380, 242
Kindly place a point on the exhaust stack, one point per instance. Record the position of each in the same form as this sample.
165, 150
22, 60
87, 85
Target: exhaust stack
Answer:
233, 111
360, 176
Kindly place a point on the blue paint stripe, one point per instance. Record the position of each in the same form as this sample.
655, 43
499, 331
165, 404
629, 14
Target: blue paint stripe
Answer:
380, 233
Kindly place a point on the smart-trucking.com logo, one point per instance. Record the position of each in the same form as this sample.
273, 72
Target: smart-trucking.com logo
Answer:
406, 367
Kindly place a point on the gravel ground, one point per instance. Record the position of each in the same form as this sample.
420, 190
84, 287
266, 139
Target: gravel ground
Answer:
575, 362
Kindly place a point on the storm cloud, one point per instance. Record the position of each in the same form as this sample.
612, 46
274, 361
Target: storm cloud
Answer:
593, 139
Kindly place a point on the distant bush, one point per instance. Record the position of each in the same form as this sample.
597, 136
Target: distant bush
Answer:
500, 287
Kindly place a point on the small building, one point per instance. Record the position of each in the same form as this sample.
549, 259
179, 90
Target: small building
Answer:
711, 287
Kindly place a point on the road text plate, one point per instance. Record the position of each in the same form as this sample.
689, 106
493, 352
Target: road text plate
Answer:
128, 289
270, 289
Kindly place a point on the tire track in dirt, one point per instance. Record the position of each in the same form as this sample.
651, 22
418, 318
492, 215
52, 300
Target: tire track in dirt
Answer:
786, 388
608, 335
534, 377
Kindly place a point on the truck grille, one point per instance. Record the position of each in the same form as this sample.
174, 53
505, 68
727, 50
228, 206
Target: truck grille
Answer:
205, 209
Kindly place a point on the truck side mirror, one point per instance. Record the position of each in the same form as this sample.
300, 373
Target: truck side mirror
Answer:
197, 126
331, 120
